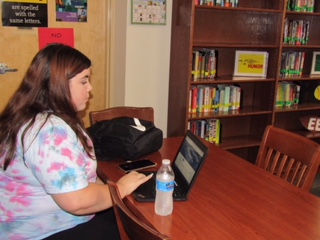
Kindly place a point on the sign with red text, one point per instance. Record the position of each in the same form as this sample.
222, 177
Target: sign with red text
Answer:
251, 64
23, 13
56, 35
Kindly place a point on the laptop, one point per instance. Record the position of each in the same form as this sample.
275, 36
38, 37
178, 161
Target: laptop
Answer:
186, 167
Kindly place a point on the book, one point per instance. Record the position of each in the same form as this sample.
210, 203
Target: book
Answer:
216, 100
251, 63
226, 101
280, 95
195, 65
213, 131
221, 98
200, 99
207, 99
235, 94
194, 99
296, 95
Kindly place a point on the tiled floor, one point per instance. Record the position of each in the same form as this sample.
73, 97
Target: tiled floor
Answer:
316, 186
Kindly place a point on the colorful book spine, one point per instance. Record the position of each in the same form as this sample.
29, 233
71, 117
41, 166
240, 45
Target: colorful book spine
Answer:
204, 64
200, 99
292, 64
300, 5
219, 3
226, 102
195, 65
213, 131
220, 98
194, 100
288, 94
296, 32
207, 99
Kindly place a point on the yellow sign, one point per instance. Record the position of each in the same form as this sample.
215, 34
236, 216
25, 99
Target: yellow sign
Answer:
251, 63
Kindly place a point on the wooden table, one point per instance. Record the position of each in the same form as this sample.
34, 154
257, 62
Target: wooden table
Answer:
231, 199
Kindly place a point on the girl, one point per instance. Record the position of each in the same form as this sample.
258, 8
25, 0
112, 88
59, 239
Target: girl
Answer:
48, 182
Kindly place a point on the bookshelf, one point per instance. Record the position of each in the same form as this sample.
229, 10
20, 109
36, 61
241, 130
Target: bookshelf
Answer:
252, 26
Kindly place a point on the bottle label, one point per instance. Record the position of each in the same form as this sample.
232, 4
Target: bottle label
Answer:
165, 186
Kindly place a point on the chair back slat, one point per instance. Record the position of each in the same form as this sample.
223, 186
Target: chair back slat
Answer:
282, 166
300, 172
288, 168
289, 156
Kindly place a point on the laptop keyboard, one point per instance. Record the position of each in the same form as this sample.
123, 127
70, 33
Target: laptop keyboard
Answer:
177, 192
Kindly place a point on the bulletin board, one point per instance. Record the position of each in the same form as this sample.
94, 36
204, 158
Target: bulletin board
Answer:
148, 12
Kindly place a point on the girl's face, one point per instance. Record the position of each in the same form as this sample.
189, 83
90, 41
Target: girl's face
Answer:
80, 87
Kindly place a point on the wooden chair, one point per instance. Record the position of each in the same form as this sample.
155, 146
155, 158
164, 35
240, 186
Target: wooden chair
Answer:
289, 156
144, 113
130, 226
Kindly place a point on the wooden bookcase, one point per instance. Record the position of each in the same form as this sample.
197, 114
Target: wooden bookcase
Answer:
254, 25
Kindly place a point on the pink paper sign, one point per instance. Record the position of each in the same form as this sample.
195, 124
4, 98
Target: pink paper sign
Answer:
56, 35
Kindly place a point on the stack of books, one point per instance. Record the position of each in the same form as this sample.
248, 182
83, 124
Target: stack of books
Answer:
204, 64
300, 5
296, 32
223, 97
292, 64
288, 94
220, 3
208, 129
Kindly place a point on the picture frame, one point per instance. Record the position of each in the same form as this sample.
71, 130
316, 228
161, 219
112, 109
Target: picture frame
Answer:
315, 67
148, 12
251, 64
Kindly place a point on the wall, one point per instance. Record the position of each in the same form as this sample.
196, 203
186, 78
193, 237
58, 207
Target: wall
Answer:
140, 62
18, 47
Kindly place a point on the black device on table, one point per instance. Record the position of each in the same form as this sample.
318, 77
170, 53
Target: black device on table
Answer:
137, 165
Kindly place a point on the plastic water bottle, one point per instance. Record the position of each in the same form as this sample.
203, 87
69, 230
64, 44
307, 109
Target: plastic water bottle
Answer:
164, 188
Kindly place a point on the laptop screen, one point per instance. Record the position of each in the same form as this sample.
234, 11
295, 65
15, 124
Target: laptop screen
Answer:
186, 167
189, 160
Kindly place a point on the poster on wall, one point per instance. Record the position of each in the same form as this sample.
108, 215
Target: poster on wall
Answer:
25, 13
71, 10
55, 35
148, 12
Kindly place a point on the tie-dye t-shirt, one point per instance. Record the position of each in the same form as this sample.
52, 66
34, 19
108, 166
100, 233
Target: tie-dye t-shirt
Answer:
54, 162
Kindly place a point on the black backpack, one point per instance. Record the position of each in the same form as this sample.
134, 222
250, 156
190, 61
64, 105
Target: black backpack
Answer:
129, 138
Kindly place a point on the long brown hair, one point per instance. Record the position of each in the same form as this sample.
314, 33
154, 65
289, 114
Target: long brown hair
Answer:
45, 87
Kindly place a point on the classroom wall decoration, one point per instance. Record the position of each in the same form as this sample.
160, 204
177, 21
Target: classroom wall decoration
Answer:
55, 35
148, 12
72, 10
24, 13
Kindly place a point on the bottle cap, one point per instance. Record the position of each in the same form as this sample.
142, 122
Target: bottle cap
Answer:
166, 161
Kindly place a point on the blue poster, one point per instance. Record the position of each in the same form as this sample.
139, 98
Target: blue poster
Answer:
71, 10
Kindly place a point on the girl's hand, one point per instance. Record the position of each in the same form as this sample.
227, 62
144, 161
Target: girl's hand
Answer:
131, 181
